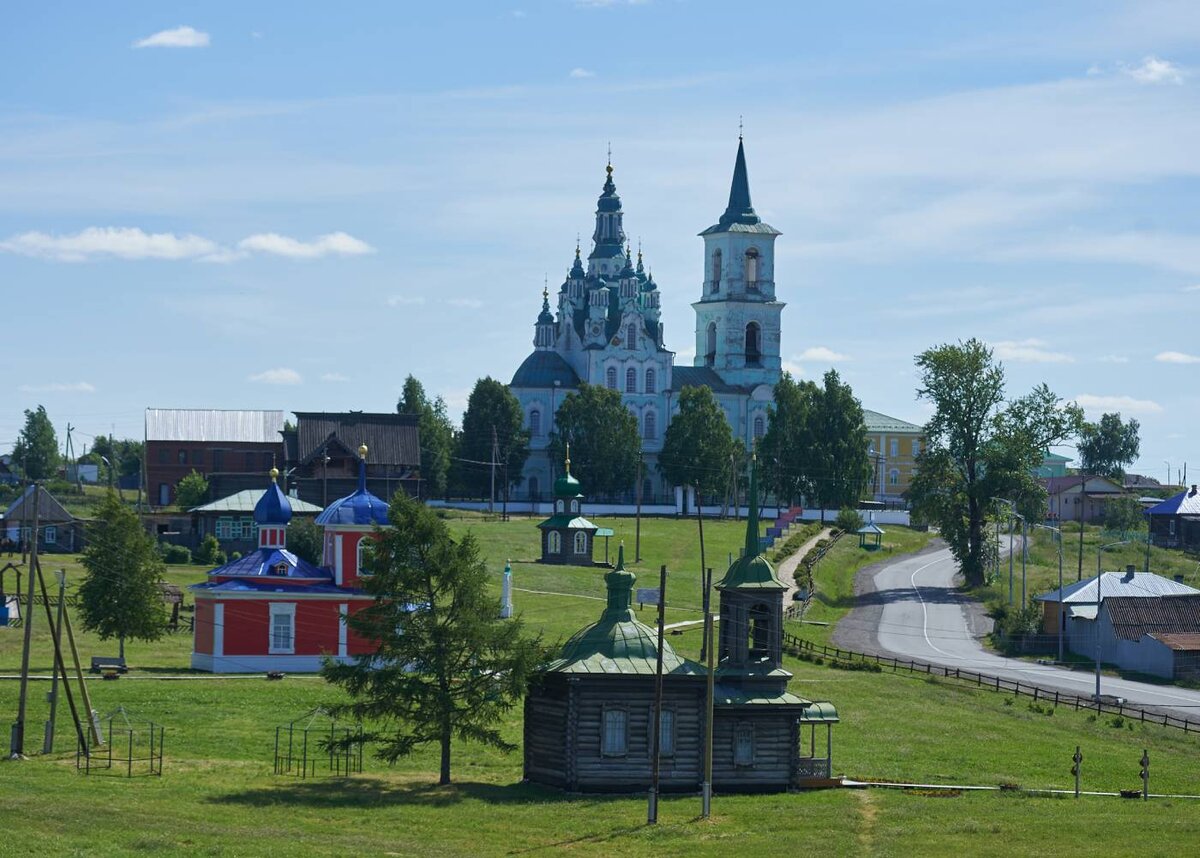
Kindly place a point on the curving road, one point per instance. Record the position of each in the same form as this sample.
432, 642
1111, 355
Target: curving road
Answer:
917, 613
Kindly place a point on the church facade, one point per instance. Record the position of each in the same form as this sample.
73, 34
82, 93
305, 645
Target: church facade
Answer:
606, 328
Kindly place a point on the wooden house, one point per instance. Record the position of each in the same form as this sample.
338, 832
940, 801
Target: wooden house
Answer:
231, 520
1068, 498
590, 713
58, 530
568, 537
322, 463
1175, 523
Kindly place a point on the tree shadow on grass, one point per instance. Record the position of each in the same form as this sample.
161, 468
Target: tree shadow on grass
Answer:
368, 791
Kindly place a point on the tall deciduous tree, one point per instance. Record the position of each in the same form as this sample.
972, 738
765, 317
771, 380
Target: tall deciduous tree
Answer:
492, 412
978, 447
191, 491
1105, 448
604, 440
443, 666
36, 450
787, 449
842, 468
437, 435
698, 446
120, 595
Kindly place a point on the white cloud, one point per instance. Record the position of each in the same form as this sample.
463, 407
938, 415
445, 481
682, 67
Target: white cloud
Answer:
120, 242
1113, 359
1028, 351
578, 73
1153, 70
58, 387
1094, 404
336, 243
404, 300
334, 377
1176, 357
1195, 288
821, 354
518, 13
179, 37
793, 368
280, 375
468, 303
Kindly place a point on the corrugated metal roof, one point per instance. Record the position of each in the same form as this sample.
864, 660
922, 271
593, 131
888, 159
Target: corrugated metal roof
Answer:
245, 501
212, 424
1185, 503
49, 510
1096, 485
876, 422
1116, 585
1189, 642
1132, 617
391, 439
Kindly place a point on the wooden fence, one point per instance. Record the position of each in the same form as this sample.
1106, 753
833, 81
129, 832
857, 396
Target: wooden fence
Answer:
800, 648
796, 610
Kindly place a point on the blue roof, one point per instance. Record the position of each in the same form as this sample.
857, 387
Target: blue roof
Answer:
1186, 502
701, 376
361, 508
542, 369
274, 506
268, 563
257, 586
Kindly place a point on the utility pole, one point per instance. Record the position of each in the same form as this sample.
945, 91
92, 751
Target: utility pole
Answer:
48, 743
737, 506
637, 539
706, 786
17, 746
60, 667
655, 747
492, 495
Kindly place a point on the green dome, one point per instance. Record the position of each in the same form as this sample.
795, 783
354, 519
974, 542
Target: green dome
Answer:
567, 486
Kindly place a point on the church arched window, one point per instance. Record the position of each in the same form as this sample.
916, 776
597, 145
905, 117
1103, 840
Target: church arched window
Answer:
535, 423
533, 488
580, 542
554, 542
650, 385
650, 426
752, 269
716, 271
710, 344
753, 344
610, 378
631, 336
631, 381
759, 427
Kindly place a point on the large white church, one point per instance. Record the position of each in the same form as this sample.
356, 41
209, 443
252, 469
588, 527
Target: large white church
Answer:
608, 330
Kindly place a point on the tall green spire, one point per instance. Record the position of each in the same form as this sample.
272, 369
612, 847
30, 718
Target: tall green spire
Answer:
752, 571
752, 513
739, 209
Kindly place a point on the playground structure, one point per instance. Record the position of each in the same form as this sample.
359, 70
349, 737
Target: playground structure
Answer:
132, 743
317, 738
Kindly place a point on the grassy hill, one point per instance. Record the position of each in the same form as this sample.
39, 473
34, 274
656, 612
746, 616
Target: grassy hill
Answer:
218, 794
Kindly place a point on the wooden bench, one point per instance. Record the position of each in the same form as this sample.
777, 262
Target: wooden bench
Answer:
102, 663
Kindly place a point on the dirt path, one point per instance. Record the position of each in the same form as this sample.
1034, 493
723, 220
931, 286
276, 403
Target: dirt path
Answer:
787, 569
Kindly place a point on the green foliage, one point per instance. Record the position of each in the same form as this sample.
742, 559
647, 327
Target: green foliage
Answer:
433, 611
849, 520
604, 439
176, 555
125, 454
36, 450
978, 448
698, 448
1124, 514
120, 595
437, 436
792, 544
492, 412
191, 491
305, 540
1105, 448
787, 449
209, 552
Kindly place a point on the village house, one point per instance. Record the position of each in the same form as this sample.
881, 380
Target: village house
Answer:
231, 449
58, 530
893, 448
1175, 522
322, 463
1068, 498
231, 520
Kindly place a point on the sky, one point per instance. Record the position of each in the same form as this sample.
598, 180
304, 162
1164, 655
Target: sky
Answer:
295, 205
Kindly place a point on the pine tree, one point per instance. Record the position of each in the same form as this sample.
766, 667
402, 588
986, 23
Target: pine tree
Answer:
120, 596
443, 665
36, 450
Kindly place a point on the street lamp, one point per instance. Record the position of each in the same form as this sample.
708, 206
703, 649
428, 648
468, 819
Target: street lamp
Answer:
1096, 628
1012, 507
1062, 610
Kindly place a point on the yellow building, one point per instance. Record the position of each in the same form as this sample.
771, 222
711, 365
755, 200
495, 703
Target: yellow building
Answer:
894, 446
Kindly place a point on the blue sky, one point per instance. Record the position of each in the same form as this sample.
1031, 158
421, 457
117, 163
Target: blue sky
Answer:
294, 205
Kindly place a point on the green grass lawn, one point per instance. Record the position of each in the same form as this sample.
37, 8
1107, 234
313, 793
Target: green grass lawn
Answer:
219, 797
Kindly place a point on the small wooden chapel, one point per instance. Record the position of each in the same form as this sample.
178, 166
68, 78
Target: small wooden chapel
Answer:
589, 713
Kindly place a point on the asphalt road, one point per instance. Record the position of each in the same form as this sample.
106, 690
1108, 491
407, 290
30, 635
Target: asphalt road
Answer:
923, 617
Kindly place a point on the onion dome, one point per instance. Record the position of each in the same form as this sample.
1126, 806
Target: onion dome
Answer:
545, 317
577, 272
360, 508
567, 486
273, 507
627, 272
609, 201
752, 571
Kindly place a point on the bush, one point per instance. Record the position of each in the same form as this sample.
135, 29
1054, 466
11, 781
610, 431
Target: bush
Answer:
1019, 622
305, 539
849, 520
175, 554
191, 491
209, 553
792, 544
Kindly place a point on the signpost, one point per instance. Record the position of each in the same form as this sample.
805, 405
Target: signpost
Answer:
1077, 759
648, 596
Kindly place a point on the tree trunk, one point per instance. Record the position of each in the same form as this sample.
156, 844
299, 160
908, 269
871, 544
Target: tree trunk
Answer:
122, 647
445, 773
973, 563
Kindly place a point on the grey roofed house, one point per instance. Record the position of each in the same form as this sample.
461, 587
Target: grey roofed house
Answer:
213, 424
245, 501
1081, 595
58, 530
322, 454
231, 519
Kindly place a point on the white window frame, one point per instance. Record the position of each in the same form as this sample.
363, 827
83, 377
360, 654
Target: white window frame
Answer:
894, 446
916, 448
535, 423
651, 384
649, 426
580, 540
282, 609
610, 378
50, 535
358, 560
894, 477
223, 529
631, 380
554, 542
614, 731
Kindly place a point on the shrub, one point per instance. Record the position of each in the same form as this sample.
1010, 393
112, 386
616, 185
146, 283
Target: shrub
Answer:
849, 520
209, 553
175, 554
191, 491
792, 544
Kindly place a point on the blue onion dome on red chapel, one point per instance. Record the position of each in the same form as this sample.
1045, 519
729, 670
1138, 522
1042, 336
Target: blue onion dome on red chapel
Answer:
273, 507
360, 508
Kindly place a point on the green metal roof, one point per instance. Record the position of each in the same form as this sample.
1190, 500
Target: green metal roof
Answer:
877, 422
245, 500
727, 695
820, 711
565, 520
618, 643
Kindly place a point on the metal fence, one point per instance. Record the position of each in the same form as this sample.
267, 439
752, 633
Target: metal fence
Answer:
799, 647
